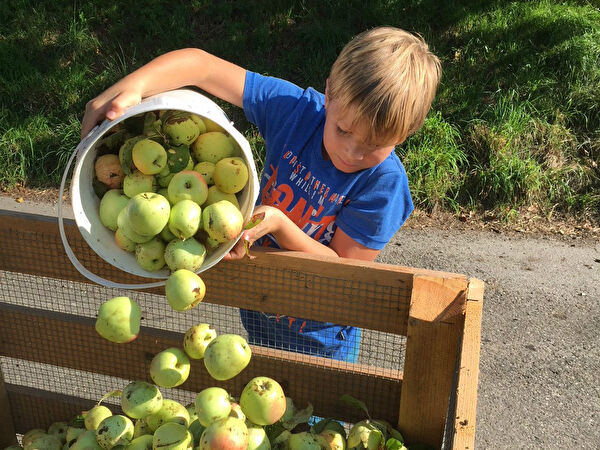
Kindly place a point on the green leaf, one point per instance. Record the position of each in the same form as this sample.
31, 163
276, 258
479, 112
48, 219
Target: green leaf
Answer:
254, 220
394, 444
99, 187
178, 158
115, 393
351, 401
125, 154
300, 416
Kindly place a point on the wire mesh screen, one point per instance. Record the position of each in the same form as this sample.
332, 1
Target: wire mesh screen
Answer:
288, 308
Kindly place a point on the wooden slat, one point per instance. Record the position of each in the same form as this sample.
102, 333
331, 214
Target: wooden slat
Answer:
37, 408
351, 292
7, 427
434, 330
71, 341
468, 375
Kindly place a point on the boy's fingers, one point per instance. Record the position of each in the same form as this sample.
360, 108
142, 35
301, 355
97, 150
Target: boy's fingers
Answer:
96, 111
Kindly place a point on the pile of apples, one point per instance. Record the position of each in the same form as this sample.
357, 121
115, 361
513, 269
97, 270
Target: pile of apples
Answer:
168, 183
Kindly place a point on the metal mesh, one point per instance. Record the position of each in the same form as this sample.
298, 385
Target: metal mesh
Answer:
277, 291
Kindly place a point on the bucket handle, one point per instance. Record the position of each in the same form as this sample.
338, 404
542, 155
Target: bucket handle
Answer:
82, 270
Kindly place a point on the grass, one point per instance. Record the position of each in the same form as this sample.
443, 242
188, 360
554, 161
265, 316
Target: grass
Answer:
516, 121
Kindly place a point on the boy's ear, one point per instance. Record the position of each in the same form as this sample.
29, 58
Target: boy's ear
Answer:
326, 93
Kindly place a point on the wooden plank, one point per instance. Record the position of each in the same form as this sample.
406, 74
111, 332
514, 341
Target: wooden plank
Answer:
7, 427
37, 408
434, 330
468, 375
351, 292
71, 341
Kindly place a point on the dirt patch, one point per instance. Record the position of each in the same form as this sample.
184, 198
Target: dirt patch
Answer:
526, 221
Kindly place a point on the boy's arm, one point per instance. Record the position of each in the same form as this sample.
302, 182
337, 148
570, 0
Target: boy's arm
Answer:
186, 67
290, 237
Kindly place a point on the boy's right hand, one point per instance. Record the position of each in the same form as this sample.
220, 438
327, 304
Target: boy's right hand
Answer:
110, 105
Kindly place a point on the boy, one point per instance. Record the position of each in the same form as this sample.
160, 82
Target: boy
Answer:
332, 183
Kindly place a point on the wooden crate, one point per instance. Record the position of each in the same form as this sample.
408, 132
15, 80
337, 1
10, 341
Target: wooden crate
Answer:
432, 399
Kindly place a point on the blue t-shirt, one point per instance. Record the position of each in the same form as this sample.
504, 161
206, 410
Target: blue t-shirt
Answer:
369, 205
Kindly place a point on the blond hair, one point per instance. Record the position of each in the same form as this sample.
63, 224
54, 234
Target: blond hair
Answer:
390, 77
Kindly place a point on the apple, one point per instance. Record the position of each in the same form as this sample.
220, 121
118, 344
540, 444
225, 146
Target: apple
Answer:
46, 442
171, 411
93, 417
140, 428
180, 128
226, 356
231, 174
86, 441
196, 338
215, 194
187, 185
31, 435
200, 122
222, 221
165, 193
229, 433
143, 442
172, 436
188, 254
263, 400
124, 242
164, 177
184, 219
211, 125
124, 229
170, 368
140, 399
184, 289
59, 429
151, 255
166, 235
114, 430
334, 439
212, 146
149, 156
257, 438
236, 411
304, 440
108, 171
212, 403
73, 432
110, 206
148, 213
195, 427
119, 320
138, 182
364, 434
206, 169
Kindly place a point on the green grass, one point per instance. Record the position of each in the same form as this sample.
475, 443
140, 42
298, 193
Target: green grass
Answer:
516, 121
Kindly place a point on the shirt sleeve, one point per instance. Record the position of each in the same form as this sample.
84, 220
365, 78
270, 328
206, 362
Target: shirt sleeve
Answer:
378, 211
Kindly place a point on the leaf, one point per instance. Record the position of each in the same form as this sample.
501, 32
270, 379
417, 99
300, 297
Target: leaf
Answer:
135, 124
328, 424
125, 154
178, 157
254, 220
300, 416
149, 119
351, 401
394, 444
115, 393
111, 142
99, 187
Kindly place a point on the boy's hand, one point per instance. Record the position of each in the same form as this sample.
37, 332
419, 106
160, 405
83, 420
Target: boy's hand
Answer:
110, 104
270, 220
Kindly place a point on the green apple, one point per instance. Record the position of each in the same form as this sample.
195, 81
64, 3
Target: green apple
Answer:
143, 442
151, 255
165, 193
188, 254
86, 441
149, 156
196, 338
73, 432
59, 429
212, 403
195, 427
124, 228
110, 206
31, 435
166, 234
119, 320
364, 434
140, 399
148, 213
172, 436
229, 433
180, 128
215, 194
188, 185
206, 169
257, 438
262, 400
200, 122
138, 182
170, 368
94, 416
108, 171
184, 219
334, 440
114, 430
222, 221
211, 125
46, 442
124, 242
171, 411
231, 174
184, 290
140, 428
212, 146
305, 440
226, 356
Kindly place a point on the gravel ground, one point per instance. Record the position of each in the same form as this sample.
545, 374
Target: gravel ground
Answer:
540, 353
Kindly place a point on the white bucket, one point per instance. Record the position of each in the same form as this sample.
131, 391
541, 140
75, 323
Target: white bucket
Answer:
85, 202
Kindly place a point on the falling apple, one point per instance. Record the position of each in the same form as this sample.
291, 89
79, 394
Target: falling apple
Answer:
188, 254
184, 290
170, 367
197, 338
226, 356
119, 320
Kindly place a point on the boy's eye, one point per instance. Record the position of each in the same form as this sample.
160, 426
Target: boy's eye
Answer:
340, 131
